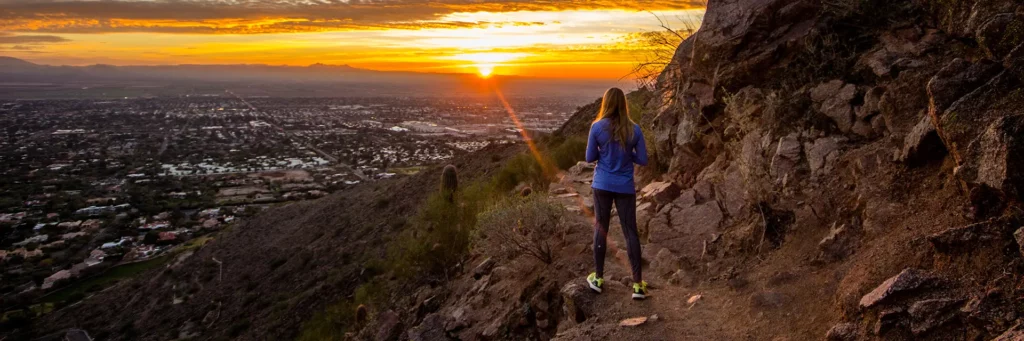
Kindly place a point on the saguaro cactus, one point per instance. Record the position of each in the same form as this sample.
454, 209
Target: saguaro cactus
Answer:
361, 315
449, 182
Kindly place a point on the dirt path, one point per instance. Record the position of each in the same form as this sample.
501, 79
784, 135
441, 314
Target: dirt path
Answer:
670, 316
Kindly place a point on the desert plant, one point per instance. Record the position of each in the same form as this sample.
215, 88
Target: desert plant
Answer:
449, 182
658, 48
522, 226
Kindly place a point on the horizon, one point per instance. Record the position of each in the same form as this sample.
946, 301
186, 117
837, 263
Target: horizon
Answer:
553, 39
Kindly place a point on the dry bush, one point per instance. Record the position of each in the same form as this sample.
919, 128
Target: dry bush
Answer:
522, 226
658, 48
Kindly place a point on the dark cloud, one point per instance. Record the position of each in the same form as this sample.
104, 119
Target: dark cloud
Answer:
9, 39
266, 16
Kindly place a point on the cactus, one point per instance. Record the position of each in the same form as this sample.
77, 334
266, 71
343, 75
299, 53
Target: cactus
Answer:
449, 182
361, 315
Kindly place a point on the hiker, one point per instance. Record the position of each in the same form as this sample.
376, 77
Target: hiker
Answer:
616, 143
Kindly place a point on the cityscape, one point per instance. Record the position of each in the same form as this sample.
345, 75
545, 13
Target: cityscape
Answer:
90, 185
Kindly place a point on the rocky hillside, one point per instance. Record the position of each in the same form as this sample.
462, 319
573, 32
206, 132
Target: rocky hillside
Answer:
843, 169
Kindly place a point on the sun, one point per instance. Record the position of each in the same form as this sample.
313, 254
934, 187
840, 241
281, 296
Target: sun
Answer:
485, 70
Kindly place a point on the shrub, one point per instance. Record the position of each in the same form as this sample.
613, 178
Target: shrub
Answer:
524, 225
569, 152
521, 168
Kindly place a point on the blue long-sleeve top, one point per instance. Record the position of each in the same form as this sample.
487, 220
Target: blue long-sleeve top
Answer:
614, 171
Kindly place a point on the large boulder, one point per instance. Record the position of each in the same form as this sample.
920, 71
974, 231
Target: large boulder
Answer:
834, 99
906, 281
691, 228
578, 302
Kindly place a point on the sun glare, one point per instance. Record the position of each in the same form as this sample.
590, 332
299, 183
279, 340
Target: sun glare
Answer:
485, 70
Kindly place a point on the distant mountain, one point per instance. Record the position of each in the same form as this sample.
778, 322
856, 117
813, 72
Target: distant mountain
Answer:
23, 79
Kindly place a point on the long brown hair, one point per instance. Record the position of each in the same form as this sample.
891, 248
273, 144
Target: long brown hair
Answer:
614, 108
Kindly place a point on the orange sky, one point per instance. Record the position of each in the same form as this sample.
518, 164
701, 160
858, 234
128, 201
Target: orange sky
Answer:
549, 38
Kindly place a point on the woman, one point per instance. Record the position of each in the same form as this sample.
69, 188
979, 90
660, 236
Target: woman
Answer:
616, 143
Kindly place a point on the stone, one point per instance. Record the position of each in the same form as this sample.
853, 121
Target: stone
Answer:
1015, 333
878, 125
389, 326
998, 163
926, 315
457, 320
577, 302
992, 311
822, 155
998, 35
580, 168
889, 319
833, 99
871, 100
863, 128
690, 229
956, 79
845, 331
484, 268
786, 157
633, 322
908, 280
838, 243
661, 193
588, 203
961, 237
732, 193
694, 299
665, 263
430, 329
681, 277
1019, 237
922, 144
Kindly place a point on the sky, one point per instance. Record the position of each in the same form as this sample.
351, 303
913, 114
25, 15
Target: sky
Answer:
546, 38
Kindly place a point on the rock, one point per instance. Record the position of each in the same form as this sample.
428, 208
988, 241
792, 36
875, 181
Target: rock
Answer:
992, 311
580, 168
431, 329
690, 229
786, 157
997, 162
1019, 237
653, 318
839, 243
686, 199
908, 280
661, 193
822, 155
633, 322
928, 314
558, 190
842, 332
878, 125
863, 128
922, 144
681, 277
889, 319
1015, 333
577, 302
834, 99
732, 193
588, 203
389, 326
694, 299
458, 319
665, 263
961, 237
998, 35
956, 79
484, 268
871, 101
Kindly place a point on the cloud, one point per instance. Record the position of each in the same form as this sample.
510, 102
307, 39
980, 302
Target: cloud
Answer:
266, 16
10, 39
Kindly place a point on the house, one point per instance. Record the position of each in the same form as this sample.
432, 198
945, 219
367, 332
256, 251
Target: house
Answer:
37, 239
210, 213
55, 245
26, 254
70, 225
91, 224
77, 335
95, 257
210, 223
73, 235
155, 225
3, 254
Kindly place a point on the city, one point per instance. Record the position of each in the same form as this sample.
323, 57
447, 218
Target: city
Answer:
93, 186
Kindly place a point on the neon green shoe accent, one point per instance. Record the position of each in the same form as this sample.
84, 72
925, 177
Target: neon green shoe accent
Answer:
640, 290
595, 283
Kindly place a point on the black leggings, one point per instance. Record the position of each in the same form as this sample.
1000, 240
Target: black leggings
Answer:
626, 204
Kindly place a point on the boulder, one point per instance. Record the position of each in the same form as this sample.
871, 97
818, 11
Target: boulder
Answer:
838, 243
956, 79
871, 100
822, 155
732, 193
926, 315
992, 311
484, 268
665, 263
833, 99
908, 280
889, 319
962, 237
389, 326
690, 229
786, 157
431, 329
922, 144
661, 193
1015, 333
1019, 237
577, 301
845, 331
